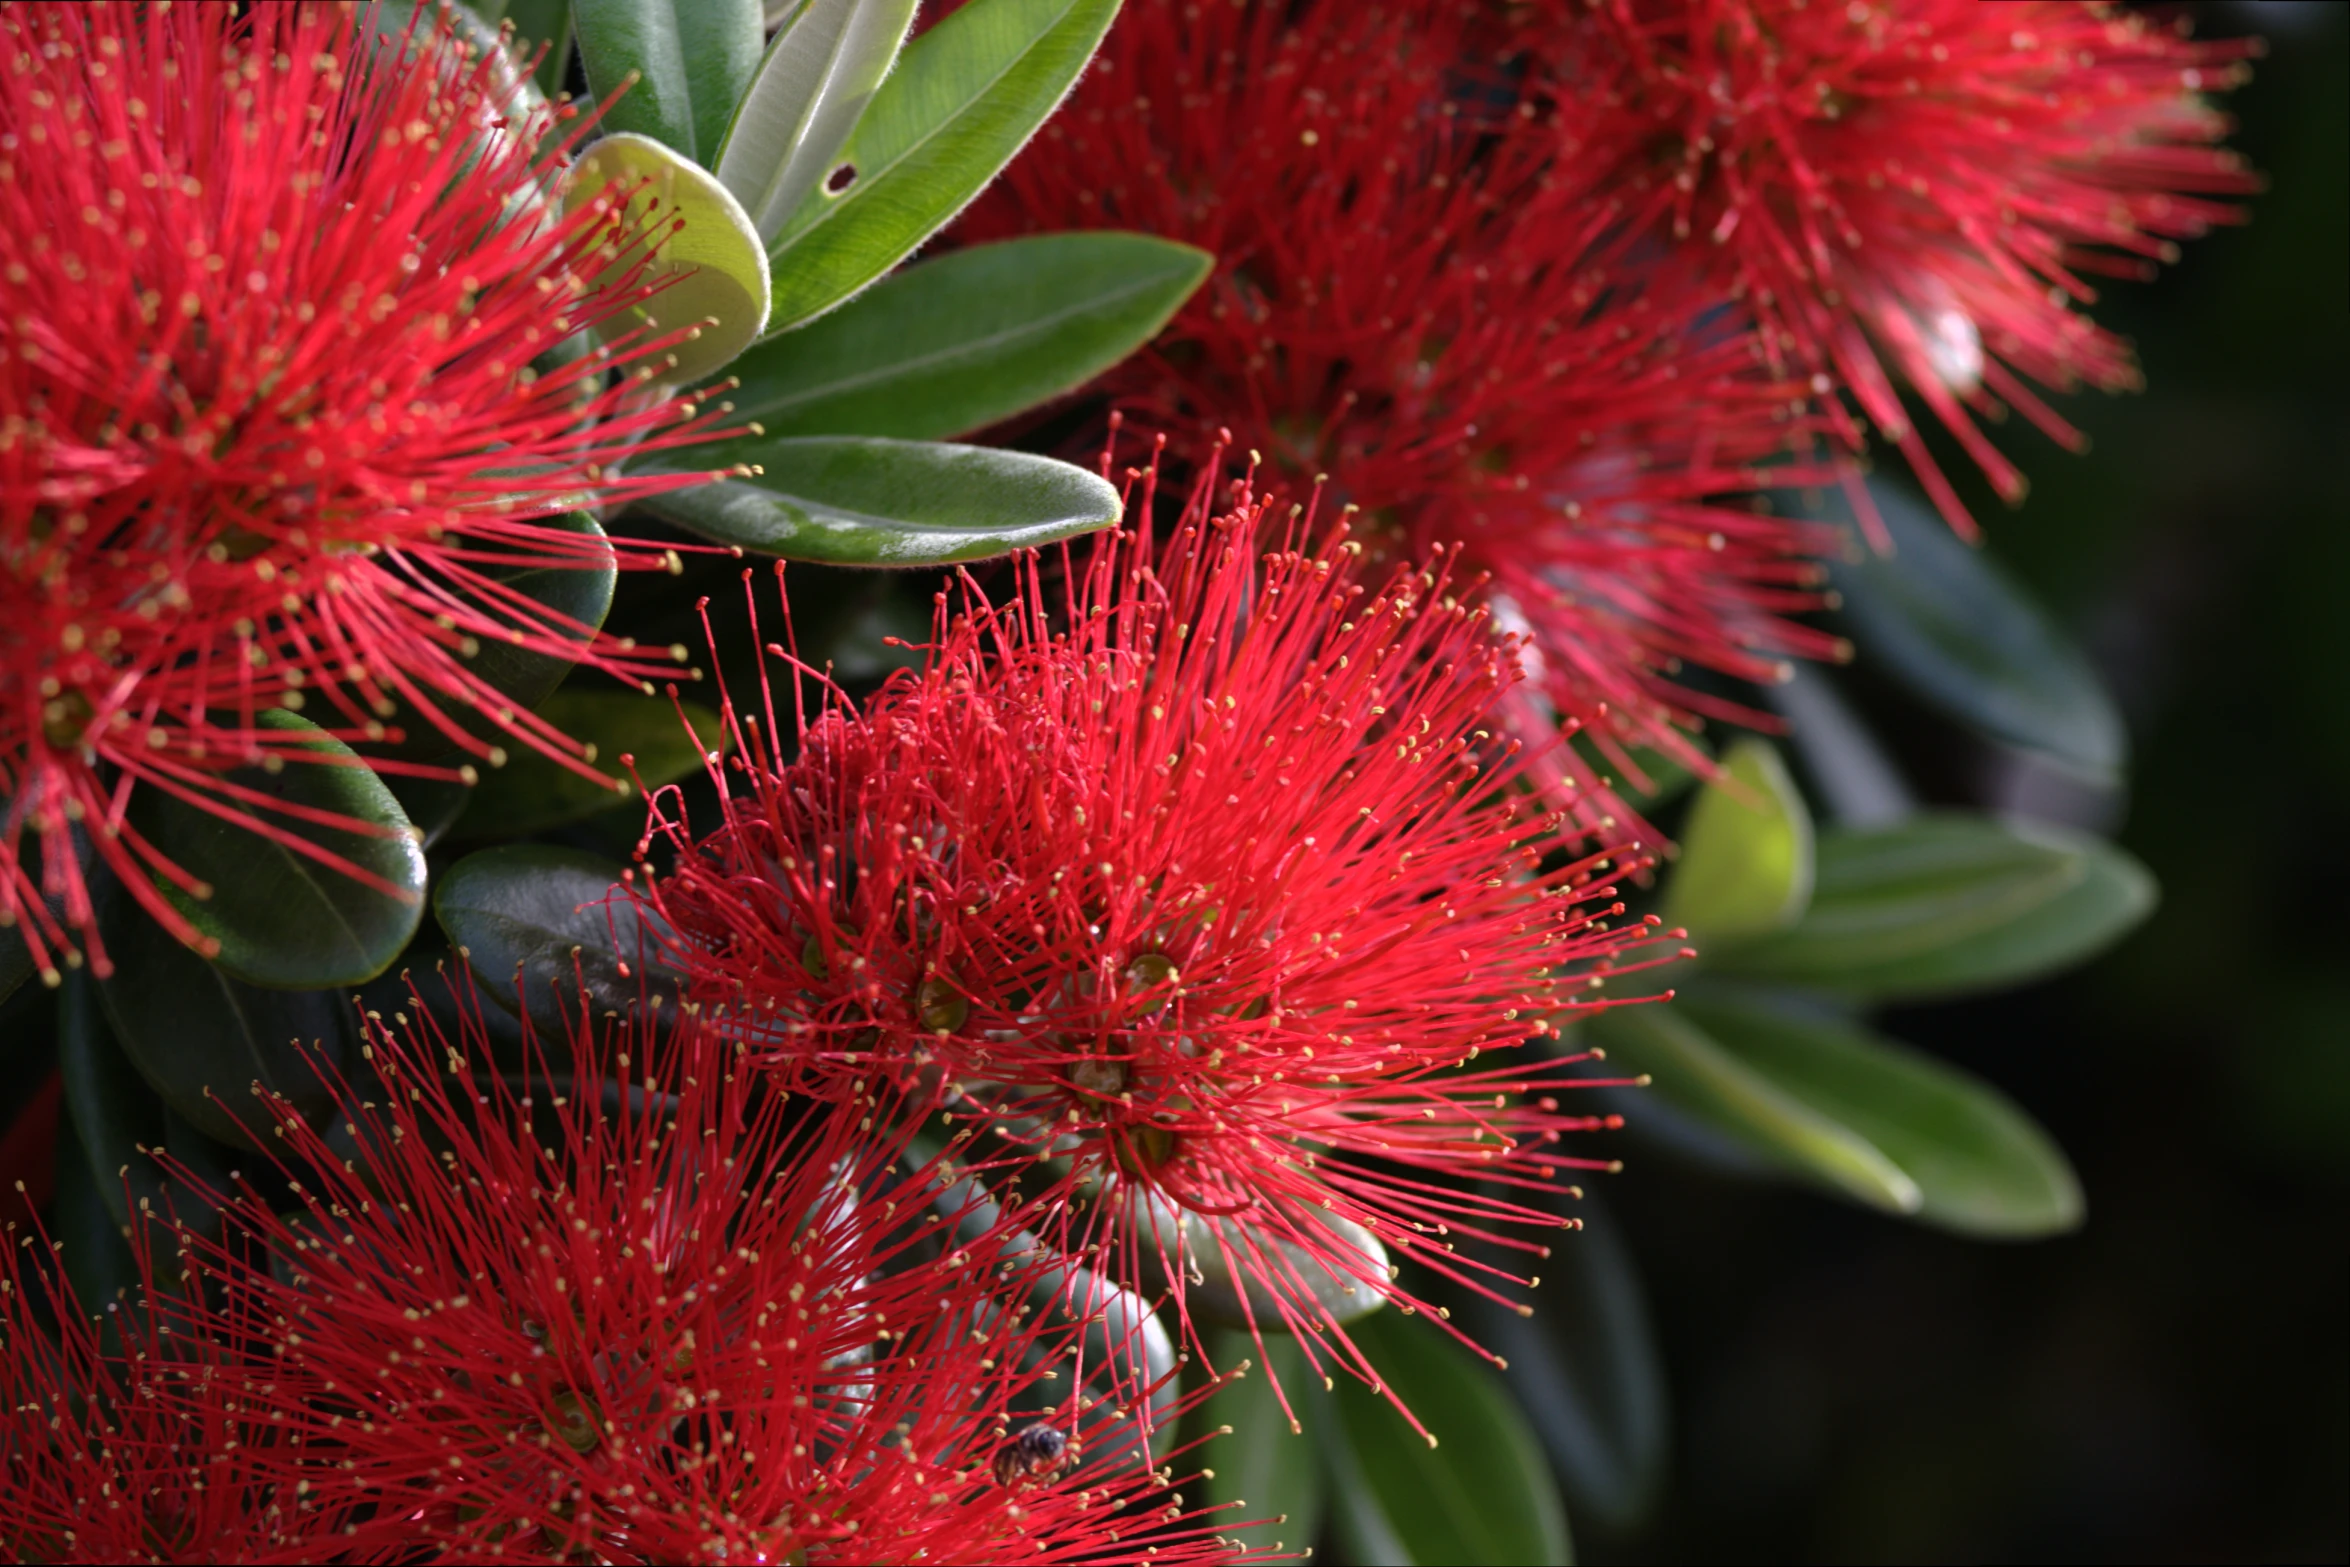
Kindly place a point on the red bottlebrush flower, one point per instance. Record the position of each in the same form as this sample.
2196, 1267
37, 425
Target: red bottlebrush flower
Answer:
1210, 901
1915, 192
636, 1308
271, 289
1414, 298
122, 1441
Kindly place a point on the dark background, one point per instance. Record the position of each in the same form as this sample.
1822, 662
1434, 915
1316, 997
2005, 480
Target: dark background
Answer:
2171, 1382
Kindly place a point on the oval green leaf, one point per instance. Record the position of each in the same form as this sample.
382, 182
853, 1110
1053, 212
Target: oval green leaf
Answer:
1264, 1464
1980, 1165
285, 914
1746, 854
1482, 1493
531, 793
116, 1117
708, 262
820, 72
1944, 619
1585, 1366
692, 59
203, 1041
539, 914
972, 337
1946, 904
964, 98
1693, 1073
865, 501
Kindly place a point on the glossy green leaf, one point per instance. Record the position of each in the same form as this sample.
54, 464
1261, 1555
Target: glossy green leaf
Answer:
969, 338
1946, 904
203, 1041
1585, 1366
283, 915
1945, 620
531, 793
1481, 1494
964, 97
692, 60
1266, 1465
541, 914
1980, 1165
1746, 854
116, 1116
708, 264
1692, 1072
863, 501
819, 74
432, 804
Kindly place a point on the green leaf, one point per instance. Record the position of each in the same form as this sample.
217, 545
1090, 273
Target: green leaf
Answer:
1481, 1493
97, 1259
1945, 620
820, 73
535, 912
202, 1040
864, 501
1585, 1366
972, 337
16, 961
1746, 854
1980, 1165
116, 1116
693, 59
964, 97
432, 804
1692, 1072
1265, 1464
708, 262
1946, 904
284, 915
531, 793
537, 22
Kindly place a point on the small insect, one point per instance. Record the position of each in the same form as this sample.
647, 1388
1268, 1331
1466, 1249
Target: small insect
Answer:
1034, 1452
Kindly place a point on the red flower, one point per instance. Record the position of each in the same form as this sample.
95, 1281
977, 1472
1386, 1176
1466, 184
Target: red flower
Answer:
271, 290
1210, 902
1414, 296
658, 1315
1911, 192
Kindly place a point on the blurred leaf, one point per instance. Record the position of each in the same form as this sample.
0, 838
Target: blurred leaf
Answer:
862, 501
115, 1114
964, 97
969, 338
16, 961
1585, 1367
202, 1040
1945, 620
97, 1259
536, 22
1660, 778
693, 59
820, 73
1266, 1466
1981, 1166
539, 913
1946, 904
1692, 1072
1482, 1494
709, 264
283, 918
1746, 853
531, 793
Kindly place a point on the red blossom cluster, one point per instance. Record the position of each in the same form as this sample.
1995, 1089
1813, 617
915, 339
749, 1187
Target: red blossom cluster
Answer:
1565, 281
1199, 885
627, 1304
292, 379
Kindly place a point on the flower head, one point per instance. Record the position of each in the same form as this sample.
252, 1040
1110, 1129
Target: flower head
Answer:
1415, 302
1911, 194
1200, 889
290, 378
637, 1306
